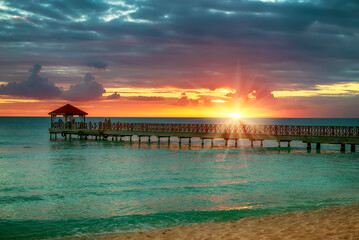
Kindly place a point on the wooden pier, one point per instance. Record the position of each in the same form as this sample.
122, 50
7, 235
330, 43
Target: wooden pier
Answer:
342, 135
317, 135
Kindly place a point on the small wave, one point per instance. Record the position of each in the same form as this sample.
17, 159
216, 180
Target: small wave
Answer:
12, 199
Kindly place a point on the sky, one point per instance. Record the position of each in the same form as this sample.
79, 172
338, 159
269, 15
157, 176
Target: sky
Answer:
187, 58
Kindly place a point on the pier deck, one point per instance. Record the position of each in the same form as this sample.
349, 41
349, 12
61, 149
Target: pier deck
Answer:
281, 133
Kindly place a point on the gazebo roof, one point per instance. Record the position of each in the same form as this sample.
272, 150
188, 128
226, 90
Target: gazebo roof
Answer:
68, 109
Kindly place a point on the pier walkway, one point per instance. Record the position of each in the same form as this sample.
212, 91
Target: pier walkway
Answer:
318, 135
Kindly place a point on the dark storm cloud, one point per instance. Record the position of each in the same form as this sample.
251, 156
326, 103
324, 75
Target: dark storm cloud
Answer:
288, 43
34, 87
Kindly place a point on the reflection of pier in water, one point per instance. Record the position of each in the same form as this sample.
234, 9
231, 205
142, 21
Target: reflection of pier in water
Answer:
281, 133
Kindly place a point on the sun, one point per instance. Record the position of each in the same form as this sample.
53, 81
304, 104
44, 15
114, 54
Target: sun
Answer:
235, 115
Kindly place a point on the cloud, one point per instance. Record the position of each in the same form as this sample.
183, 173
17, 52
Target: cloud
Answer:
184, 100
97, 64
114, 96
252, 89
39, 87
34, 87
87, 90
146, 98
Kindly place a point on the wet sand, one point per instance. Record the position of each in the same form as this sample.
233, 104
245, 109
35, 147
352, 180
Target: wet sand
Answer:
338, 222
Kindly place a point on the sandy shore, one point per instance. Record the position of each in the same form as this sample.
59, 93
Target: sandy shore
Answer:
339, 222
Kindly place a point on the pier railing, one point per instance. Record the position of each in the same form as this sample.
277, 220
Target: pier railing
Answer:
241, 129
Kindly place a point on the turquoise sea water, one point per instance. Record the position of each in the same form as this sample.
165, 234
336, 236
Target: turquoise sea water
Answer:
89, 188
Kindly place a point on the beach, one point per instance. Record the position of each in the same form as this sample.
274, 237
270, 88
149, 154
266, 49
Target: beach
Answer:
337, 222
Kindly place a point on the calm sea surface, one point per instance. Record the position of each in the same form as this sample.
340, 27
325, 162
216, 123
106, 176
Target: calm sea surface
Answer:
88, 188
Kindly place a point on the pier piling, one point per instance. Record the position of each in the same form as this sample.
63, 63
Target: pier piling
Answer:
309, 146
318, 146
342, 147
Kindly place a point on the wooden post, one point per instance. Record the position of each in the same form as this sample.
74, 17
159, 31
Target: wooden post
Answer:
309, 146
279, 143
169, 140
189, 141
289, 144
211, 142
235, 143
149, 139
179, 141
352, 147
139, 139
226, 143
342, 147
261, 142
202, 142
158, 140
318, 146
130, 139
251, 142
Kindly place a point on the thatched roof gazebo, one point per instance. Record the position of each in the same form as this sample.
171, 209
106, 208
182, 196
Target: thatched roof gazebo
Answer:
68, 111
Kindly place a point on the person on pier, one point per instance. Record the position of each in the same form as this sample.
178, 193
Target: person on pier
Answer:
105, 124
109, 123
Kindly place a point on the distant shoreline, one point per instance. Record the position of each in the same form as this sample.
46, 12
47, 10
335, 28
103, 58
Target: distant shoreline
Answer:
336, 222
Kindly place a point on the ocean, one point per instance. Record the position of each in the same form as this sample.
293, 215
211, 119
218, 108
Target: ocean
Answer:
86, 189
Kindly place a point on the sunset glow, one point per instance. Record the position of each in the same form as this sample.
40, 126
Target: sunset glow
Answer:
340, 89
170, 92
